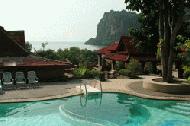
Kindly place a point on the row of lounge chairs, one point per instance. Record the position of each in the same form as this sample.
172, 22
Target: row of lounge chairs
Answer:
20, 80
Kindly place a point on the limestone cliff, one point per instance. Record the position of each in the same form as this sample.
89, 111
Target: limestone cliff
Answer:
113, 25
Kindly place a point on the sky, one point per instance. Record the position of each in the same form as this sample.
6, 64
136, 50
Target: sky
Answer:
56, 20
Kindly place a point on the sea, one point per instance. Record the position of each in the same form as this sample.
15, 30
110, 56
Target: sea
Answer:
55, 45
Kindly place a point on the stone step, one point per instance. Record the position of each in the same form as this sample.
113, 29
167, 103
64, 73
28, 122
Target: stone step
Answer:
182, 108
178, 111
187, 104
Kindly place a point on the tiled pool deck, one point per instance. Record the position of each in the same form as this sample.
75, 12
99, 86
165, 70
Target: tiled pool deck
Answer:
52, 90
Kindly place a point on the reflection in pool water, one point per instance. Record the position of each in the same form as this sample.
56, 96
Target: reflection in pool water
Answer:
108, 109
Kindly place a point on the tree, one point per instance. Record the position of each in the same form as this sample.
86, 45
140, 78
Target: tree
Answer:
44, 44
147, 35
49, 54
171, 18
28, 46
75, 55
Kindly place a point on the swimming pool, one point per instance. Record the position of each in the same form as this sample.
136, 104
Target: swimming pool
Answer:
108, 109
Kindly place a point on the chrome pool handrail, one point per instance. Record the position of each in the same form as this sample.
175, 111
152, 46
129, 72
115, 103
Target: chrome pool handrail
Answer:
85, 88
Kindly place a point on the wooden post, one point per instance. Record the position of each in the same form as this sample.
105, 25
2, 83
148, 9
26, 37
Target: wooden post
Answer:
99, 61
112, 65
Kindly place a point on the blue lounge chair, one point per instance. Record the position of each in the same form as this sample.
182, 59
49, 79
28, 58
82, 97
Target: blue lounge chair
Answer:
32, 78
7, 80
20, 79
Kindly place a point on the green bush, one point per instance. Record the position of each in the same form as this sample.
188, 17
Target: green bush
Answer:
83, 72
92, 73
132, 70
102, 76
148, 69
80, 72
124, 72
119, 65
186, 71
188, 79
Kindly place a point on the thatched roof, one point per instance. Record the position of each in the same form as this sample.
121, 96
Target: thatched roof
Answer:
9, 47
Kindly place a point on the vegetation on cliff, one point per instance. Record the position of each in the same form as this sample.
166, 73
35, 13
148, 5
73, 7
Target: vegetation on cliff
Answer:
113, 25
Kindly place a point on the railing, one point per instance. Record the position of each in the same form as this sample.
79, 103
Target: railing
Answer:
85, 85
85, 88
84, 99
101, 86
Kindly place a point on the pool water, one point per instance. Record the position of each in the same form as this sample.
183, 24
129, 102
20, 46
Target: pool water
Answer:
108, 109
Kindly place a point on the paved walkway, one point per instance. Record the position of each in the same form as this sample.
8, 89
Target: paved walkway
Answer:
134, 87
49, 90
65, 89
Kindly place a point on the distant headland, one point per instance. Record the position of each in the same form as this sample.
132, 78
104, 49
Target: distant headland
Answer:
113, 25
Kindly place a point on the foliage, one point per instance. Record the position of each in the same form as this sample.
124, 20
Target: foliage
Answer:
49, 54
75, 55
132, 70
80, 72
83, 72
113, 25
170, 18
148, 69
147, 35
120, 65
28, 46
92, 73
44, 44
102, 76
183, 47
188, 79
186, 71
187, 43
124, 72
88, 57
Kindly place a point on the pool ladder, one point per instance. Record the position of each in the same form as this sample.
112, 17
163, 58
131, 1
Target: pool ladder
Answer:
89, 89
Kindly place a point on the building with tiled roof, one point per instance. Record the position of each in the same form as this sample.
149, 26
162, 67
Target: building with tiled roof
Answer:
123, 51
14, 57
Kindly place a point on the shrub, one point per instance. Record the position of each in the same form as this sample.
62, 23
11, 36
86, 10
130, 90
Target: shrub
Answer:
132, 70
80, 72
148, 69
119, 65
186, 71
124, 72
92, 73
188, 79
102, 76
83, 72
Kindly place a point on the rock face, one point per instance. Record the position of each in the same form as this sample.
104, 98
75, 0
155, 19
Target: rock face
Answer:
113, 25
